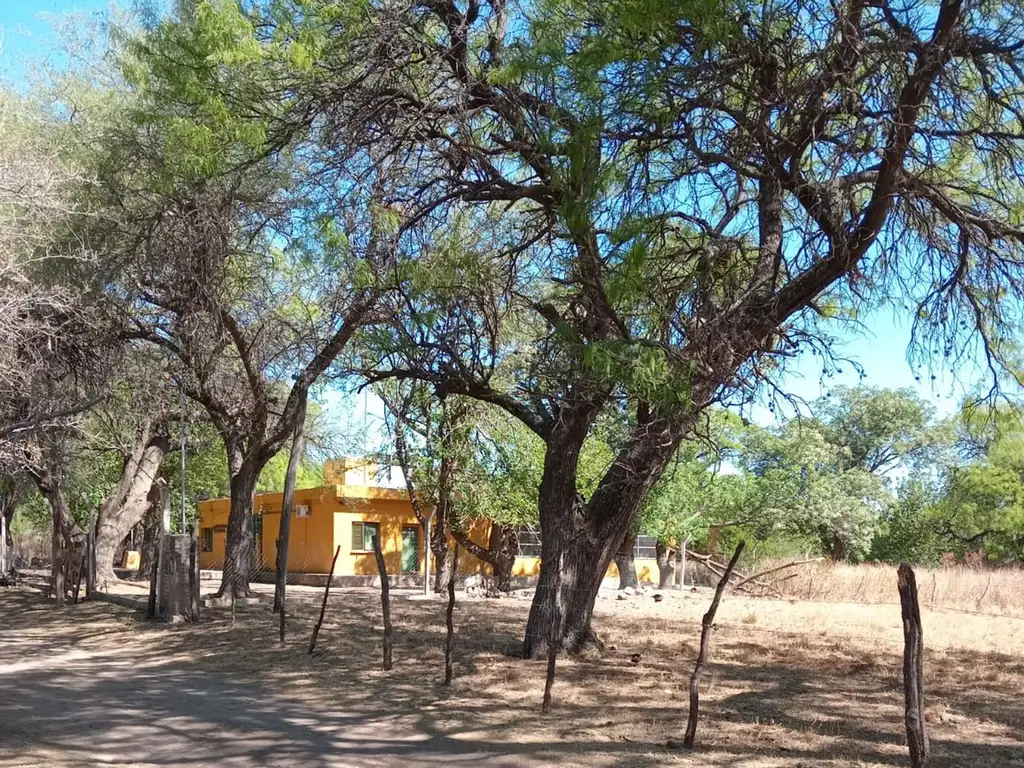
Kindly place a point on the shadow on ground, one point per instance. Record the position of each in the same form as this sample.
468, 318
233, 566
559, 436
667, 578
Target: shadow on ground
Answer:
96, 685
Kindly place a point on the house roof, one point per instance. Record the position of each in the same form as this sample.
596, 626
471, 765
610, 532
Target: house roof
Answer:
339, 493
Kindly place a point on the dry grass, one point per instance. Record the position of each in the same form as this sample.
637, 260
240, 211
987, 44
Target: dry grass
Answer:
998, 591
790, 685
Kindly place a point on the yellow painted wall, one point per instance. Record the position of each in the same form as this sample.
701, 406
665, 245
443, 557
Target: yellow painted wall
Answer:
333, 509
646, 570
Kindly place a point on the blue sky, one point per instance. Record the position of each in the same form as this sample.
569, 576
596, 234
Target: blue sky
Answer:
27, 38
26, 31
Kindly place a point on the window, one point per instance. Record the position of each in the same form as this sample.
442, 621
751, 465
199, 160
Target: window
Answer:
645, 547
207, 539
363, 536
529, 543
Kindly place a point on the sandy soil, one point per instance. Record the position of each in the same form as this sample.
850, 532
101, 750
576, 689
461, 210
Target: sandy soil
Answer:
791, 685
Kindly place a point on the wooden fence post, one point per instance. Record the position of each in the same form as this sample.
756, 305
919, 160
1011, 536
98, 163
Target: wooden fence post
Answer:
913, 667
323, 605
385, 601
151, 608
707, 625
450, 619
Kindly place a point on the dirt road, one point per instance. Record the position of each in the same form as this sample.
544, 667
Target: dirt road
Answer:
91, 687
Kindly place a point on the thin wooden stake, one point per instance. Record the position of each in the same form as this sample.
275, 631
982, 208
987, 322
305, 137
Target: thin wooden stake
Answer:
287, 504
385, 602
323, 605
707, 624
913, 667
151, 607
450, 619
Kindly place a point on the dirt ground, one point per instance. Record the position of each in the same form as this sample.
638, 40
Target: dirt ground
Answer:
791, 685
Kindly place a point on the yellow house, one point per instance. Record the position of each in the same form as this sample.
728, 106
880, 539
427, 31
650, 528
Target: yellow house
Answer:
346, 513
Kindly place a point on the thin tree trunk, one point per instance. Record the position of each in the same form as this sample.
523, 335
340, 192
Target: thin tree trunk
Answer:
5, 545
666, 566
625, 563
913, 667
287, 502
57, 557
449, 639
323, 605
154, 574
707, 624
239, 544
385, 602
150, 533
443, 558
500, 552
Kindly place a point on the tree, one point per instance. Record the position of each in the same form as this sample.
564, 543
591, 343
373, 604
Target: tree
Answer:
982, 502
56, 344
224, 256
431, 446
877, 428
802, 486
674, 202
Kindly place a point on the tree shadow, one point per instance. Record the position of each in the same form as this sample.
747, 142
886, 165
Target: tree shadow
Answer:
95, 680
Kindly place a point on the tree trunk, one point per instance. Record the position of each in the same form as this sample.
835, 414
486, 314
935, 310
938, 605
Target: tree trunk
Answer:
500, 552
239, 545
7, 538
504, 544
443, 558
625, 563
584, 563
117, 515
150, 530
837, 550
56, 556
666, 565
586, 536
287, 501
913, 667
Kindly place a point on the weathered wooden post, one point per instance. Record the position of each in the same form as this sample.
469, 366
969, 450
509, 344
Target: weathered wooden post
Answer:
385, 601
151, 607
913, 667
450, 619
707, 625
287, 504
323, 605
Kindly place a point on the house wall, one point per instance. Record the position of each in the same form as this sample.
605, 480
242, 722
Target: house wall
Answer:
332, 510
309, 548
646, 570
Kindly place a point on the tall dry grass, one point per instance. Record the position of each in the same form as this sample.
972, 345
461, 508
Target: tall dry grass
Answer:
998, 591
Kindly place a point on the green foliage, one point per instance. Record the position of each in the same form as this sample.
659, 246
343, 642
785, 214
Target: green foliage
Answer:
907, 534
801, 486
876, 427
